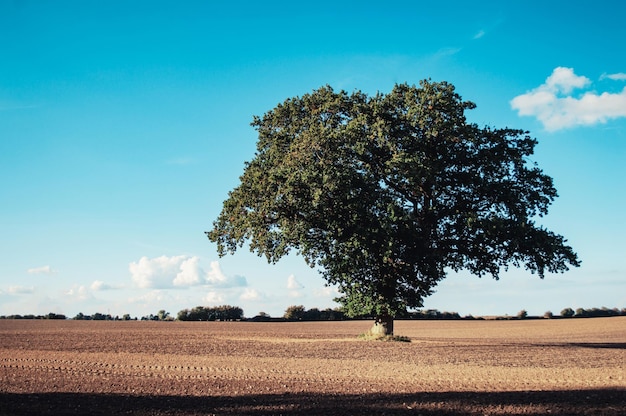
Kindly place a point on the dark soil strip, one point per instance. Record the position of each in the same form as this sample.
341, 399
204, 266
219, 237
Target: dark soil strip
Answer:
604, 402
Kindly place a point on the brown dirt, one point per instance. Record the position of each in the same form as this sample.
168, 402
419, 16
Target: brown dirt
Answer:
536, 367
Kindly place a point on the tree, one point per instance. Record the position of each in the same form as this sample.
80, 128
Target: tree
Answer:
80, 317
206, 313
386, 194
295, 313
567, 313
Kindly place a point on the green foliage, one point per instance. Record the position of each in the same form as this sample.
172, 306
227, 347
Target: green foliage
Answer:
294, 313
300, 313
98, 316
205, 313
53, 315
567, 313
384, 194
101, 317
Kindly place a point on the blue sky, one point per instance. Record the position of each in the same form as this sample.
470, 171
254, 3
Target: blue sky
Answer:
123, 125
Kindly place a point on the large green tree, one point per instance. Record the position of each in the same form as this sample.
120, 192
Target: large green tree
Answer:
386, 194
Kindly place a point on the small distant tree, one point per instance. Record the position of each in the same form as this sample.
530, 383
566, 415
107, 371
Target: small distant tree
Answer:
162, 315
294, 313
450, 315
227, 313
313, 314
581, 313
52, 315
329, 314
567, 313
522, 314
183, 315
548, 315
101, 317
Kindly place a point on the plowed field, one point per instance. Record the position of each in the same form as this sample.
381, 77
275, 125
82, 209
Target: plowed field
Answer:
536, 367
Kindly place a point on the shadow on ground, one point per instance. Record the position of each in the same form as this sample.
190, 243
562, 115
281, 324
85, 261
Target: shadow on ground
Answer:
570, 402
611, 345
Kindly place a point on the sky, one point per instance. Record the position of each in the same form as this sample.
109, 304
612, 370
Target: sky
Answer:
124, 125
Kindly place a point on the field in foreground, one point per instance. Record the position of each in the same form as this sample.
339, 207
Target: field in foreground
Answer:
568, 367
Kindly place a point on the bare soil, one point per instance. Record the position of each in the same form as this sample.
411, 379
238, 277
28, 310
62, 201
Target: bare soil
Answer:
530, 367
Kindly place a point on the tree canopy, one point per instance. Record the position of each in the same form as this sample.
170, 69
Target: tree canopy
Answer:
387, 194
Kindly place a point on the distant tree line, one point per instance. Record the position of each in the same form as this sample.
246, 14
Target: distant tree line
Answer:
30, 316
162, 315
208, 313
300, 313
591, 313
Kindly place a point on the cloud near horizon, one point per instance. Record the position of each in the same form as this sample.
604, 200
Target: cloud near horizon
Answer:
41, 270
250, 294
553, 104
180, 271
78, 293
99, 285
21, 290
294, 286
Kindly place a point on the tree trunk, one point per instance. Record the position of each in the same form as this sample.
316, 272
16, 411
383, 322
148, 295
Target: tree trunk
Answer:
383, 326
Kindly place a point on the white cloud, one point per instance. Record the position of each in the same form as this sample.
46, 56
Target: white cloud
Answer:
445, 52
215, 276
41, 270
295, 294
155, 272
190, 273
292, 283
98, 285
78, 293
21, 290
479, 34
250, 294
153, 301
326, 292
564, 80
214, 298
620, 76
179, 271
11, 105
552, 104
294, 287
